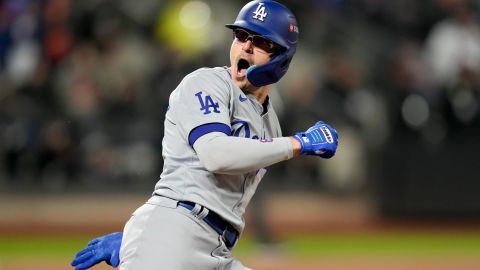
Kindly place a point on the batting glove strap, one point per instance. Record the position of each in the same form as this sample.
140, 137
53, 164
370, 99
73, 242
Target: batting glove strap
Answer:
304, 143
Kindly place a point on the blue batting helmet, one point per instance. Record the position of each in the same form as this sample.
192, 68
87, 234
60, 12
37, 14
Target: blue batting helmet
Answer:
277, 23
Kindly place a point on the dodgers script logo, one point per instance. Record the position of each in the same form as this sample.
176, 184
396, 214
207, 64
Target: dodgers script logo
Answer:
260, 12
241, 128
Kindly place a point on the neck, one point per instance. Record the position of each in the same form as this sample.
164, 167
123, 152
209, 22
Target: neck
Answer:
260, 93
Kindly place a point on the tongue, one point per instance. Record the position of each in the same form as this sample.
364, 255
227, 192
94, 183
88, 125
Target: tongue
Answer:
242, 72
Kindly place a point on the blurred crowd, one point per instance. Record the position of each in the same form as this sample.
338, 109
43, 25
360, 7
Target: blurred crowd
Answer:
84, 85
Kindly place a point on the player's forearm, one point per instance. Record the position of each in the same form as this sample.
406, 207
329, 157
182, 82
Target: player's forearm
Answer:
234, 155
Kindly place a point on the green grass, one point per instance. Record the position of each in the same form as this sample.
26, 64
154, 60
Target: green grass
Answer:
398, 244
374, 245
41, 246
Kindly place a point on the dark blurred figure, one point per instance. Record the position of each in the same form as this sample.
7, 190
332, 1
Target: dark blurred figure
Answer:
57, 156
435, 109
357, 110
452, 51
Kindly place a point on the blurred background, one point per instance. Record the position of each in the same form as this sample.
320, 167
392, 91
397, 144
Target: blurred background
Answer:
84, 87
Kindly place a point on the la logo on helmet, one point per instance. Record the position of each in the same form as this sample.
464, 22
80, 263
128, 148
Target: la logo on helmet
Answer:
260, 12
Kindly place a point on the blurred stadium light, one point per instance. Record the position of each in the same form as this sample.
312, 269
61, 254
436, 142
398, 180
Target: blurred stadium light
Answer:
186, 26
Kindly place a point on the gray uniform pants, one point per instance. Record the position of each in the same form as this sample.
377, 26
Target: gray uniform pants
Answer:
163, 236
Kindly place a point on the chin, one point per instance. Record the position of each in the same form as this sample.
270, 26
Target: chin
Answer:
241, 82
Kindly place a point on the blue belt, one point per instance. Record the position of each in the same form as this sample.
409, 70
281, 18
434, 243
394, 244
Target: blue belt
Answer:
222, 227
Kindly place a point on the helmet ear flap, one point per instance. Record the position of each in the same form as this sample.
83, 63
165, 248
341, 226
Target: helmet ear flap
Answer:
285, 63
270, 72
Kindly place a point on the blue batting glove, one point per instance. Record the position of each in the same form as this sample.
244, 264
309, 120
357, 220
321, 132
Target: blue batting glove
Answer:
105, 248
320, 140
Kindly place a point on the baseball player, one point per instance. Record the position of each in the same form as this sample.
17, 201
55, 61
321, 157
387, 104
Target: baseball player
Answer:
221, 132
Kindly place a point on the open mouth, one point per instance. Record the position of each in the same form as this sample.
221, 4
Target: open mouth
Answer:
242, 67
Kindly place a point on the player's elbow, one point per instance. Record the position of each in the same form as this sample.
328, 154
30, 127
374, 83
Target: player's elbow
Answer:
213, 165
217, 163
214, 168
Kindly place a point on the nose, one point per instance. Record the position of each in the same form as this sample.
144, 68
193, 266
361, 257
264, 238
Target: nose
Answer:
248, 46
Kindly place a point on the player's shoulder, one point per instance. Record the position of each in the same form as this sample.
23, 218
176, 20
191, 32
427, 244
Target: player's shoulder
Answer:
219, 74
209, 80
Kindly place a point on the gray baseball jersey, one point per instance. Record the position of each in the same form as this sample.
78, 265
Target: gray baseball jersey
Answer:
208, 101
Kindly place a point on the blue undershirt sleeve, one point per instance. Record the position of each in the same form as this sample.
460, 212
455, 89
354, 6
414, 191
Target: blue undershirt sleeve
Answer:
207, 128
